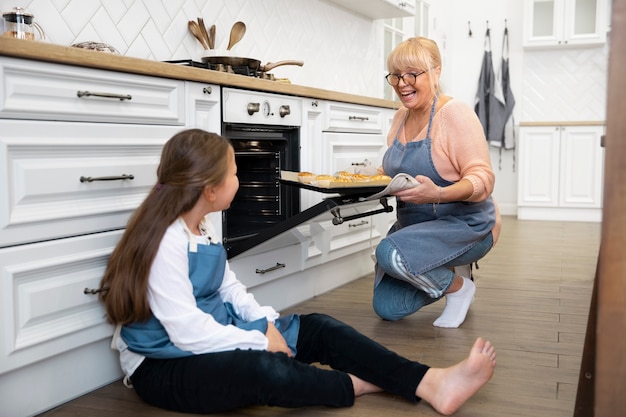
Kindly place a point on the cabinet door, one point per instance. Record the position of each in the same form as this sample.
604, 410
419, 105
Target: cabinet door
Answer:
543, 22
60, 179
539, 159
564, 22
584, 21
352, 152
204, 111
311, 147
582, 160
45, 91
45, 310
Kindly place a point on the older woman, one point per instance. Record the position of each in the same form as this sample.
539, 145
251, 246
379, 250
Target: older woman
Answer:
449, 219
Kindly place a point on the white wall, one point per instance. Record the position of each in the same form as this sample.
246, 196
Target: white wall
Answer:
342, 51
573, 81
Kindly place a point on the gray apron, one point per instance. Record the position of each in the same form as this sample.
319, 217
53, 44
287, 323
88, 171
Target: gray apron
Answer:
425, 237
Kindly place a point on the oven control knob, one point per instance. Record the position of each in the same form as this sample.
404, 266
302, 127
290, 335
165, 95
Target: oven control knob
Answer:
284, 111
267, 112
253, 108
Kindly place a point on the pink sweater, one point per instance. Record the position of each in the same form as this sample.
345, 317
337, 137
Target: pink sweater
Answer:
459, 149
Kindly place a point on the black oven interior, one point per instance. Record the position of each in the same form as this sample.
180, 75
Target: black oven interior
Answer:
261, 152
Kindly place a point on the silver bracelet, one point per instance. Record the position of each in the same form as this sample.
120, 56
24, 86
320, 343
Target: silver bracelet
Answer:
435, 205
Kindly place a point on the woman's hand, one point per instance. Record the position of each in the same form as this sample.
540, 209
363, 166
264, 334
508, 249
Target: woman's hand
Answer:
429, 192
426, 192
276, 341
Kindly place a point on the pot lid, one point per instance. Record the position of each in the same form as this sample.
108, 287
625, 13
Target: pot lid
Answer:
18, 15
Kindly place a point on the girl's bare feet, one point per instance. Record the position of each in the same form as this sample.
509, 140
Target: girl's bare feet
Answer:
447, 389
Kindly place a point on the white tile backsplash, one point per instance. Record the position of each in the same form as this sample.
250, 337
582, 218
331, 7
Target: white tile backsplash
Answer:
341, 50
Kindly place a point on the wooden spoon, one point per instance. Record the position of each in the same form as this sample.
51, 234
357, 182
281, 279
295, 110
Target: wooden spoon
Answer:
236, 33
194, 28
212, 37
205, 34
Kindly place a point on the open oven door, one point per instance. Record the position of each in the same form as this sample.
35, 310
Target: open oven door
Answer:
336, 209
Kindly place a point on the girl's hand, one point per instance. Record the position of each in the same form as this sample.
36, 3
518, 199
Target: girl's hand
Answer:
426, 192
276, 340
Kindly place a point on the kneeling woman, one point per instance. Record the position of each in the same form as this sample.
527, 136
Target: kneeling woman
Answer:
192, 339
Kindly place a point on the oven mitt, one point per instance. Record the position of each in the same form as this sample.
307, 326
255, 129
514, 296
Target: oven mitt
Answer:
399, 182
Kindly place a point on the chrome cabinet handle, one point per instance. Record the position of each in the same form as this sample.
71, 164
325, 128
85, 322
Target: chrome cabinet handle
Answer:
121, 97
361, 118
113, 178
90, 291
273, 268
361, 223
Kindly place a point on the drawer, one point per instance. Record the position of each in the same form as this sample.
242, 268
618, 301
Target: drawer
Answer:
45, 91
353, 235
45, 310
260, 268
353, 118
41, 193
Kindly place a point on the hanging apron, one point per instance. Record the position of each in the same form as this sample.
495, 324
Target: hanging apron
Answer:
426, 238
206, 273
489, 106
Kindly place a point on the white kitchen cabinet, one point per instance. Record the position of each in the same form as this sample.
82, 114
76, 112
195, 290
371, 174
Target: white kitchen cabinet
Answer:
549, 23
379, 9
203, 110
560, 173
79, 151
354, 139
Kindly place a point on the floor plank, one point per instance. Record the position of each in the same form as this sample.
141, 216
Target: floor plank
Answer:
532, 302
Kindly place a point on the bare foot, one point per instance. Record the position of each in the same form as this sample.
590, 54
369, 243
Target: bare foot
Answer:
447, 389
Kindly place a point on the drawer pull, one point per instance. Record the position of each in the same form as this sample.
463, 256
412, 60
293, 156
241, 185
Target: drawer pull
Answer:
207, 90
113, 178
122, 97
361, 118
90, 291
273, 268
361, 223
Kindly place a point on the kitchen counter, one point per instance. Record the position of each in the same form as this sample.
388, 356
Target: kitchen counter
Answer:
42, 51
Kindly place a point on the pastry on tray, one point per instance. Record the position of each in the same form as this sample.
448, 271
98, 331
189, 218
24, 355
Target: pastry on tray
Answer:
305, 177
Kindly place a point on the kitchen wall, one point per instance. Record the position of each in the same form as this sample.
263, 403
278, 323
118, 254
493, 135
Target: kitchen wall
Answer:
554, 85
342, 51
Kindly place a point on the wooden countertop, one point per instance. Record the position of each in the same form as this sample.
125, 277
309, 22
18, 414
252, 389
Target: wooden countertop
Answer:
42, 51
561, 123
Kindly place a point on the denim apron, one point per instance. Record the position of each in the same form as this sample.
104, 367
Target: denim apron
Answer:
206, 273
427, 236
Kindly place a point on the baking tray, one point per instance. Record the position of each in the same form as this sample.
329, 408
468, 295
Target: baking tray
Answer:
364, 190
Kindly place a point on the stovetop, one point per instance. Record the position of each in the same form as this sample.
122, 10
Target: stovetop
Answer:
240, 70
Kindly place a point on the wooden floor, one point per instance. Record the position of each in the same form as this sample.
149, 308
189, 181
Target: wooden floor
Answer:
532, 302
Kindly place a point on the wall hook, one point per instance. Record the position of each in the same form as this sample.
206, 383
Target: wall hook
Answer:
469, 27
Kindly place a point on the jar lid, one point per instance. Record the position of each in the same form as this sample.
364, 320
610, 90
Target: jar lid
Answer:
18, 15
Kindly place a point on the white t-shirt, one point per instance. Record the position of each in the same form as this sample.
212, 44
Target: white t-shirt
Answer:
171, 299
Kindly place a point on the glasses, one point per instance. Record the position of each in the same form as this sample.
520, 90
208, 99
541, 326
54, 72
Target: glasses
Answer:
408, 78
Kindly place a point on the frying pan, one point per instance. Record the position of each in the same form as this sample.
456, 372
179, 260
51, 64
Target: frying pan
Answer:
253, 64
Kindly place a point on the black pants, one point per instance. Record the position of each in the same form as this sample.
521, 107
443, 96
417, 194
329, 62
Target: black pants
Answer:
224, 381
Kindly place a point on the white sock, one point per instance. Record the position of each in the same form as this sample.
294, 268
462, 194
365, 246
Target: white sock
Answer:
457, 306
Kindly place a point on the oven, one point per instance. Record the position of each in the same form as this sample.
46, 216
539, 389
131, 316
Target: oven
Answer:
264, 129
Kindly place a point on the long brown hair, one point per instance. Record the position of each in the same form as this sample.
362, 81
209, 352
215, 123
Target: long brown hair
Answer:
190, 160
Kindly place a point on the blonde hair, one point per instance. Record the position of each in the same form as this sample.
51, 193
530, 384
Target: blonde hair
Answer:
190, 160
417, 52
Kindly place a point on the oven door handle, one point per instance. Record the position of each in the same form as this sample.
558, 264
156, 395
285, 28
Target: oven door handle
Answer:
338, 219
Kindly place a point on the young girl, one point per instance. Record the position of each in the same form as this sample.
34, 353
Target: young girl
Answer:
191, 339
